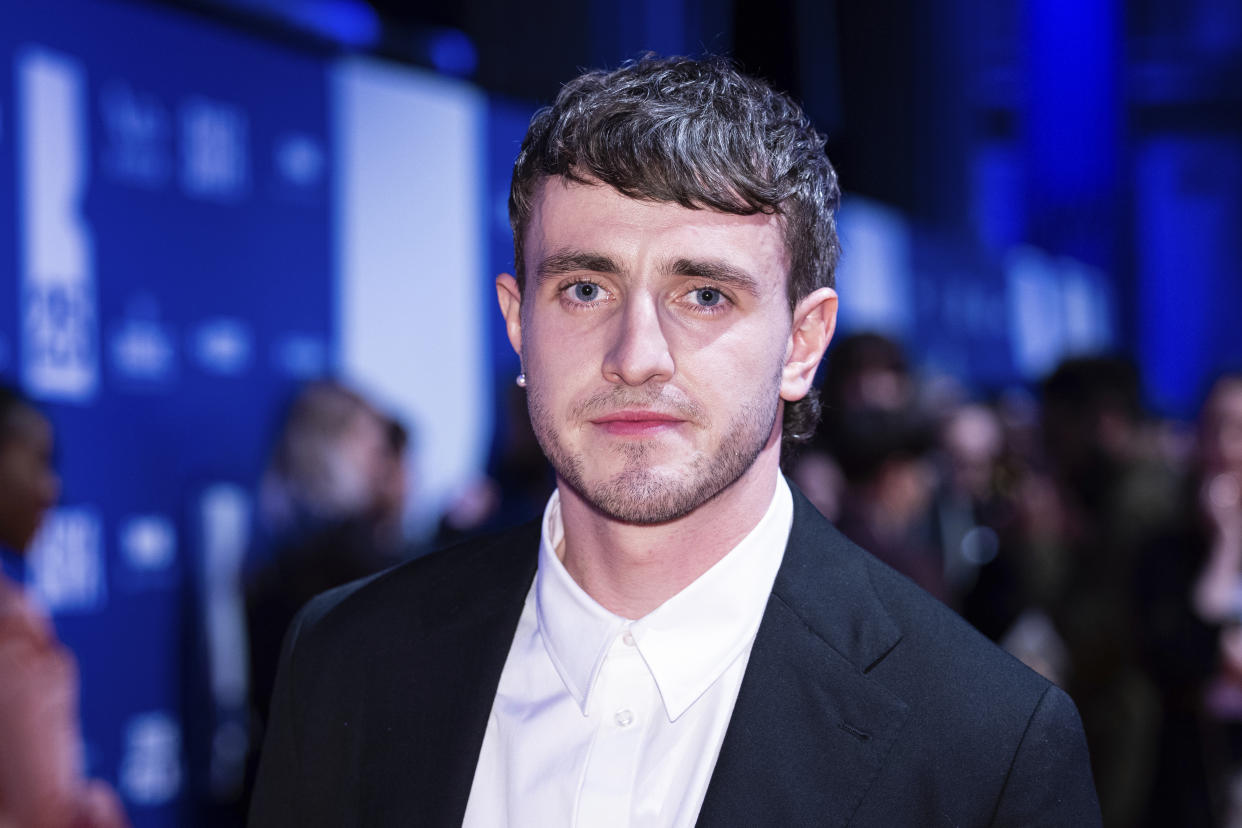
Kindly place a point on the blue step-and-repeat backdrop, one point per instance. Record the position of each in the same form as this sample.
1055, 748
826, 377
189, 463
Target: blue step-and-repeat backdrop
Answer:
165, 233
193, 222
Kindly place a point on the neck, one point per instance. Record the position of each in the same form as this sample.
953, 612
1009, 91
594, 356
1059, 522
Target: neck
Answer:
632, 569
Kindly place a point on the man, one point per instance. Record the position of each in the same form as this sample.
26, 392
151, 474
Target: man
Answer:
41, 783
681, 639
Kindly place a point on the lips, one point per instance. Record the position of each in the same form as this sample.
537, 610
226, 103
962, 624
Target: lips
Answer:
636, 422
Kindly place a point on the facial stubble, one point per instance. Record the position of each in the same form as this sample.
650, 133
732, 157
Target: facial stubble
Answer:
639, 494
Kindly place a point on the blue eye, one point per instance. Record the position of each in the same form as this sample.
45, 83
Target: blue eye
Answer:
585, 291
707, 297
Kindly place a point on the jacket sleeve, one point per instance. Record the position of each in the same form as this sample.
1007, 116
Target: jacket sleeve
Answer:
1049, 781
276, 799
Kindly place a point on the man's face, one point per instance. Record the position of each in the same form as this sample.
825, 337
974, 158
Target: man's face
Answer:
28, 485
655, 341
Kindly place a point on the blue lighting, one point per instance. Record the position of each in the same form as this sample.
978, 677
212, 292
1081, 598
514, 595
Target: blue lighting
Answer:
349, 22
452, 53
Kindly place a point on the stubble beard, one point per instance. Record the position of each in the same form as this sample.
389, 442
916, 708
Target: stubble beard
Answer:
639, 494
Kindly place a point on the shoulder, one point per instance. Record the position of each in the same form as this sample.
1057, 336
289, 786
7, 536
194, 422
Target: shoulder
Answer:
959, 687
944, 664
978, 728
939, 662
416, 596
879, 619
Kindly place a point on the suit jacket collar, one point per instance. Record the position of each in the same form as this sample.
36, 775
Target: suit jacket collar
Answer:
809, 732
810, 729
445, 667
824, 579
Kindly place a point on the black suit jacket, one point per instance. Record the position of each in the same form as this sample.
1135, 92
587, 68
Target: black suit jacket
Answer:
865, 702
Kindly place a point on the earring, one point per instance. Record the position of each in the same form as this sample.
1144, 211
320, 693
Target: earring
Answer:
521, 380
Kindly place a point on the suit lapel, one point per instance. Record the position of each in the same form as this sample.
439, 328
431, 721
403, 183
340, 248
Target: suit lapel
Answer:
810, 730
439, 693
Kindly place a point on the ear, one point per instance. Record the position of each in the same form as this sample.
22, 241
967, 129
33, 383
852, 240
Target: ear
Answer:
509, 295
814, 320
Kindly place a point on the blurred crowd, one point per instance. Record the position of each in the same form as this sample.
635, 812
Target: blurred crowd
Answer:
1096, 543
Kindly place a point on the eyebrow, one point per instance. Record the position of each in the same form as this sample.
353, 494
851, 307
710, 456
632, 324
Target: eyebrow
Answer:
709, 270
714, 270
574, 261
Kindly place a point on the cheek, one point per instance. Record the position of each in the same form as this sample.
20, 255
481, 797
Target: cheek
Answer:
561, 340
758, 359
729, 382
544, 387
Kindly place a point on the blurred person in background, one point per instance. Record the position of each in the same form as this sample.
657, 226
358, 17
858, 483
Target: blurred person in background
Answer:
885, 456
516, 487
862, 371
866, 371
1019, 516
990, 464
41, 774
1108, 492
1217, 595
817, 473
331, 503
971, 512
392, 491
1191, 590
1217, 592
881, 442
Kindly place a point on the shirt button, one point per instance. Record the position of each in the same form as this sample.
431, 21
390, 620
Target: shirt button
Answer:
624, 718
627, 638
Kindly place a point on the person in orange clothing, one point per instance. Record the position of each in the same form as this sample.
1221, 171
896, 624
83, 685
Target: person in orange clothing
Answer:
41, 779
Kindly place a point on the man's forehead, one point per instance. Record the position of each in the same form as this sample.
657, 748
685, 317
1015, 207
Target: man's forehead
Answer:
565, 209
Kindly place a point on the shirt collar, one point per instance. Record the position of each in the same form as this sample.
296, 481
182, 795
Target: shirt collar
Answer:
689, 640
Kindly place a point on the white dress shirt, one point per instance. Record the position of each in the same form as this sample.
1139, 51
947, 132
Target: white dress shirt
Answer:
602, 721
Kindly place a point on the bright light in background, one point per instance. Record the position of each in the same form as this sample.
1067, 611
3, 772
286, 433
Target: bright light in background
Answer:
348, 22
411, 308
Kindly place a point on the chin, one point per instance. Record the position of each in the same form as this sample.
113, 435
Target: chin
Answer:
646, 495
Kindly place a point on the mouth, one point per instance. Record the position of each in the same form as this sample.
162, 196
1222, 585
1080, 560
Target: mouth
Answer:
636, 422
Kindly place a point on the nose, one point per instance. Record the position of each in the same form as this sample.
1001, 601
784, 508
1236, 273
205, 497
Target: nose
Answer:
639, 352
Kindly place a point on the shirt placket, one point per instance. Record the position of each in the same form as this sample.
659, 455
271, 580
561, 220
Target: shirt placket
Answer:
623, 702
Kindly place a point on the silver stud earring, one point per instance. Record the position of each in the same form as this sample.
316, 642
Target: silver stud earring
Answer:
521, 380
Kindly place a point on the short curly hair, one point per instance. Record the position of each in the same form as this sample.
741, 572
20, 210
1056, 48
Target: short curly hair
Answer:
699, 133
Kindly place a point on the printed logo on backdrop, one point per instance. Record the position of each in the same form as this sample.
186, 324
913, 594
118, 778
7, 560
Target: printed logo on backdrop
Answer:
150, 772
214, 151
224, 537
300, 162
300, 356
223, 346
137, 136
1057, 307
148, 546
142, 348
223, 523
58, 301
65, 567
